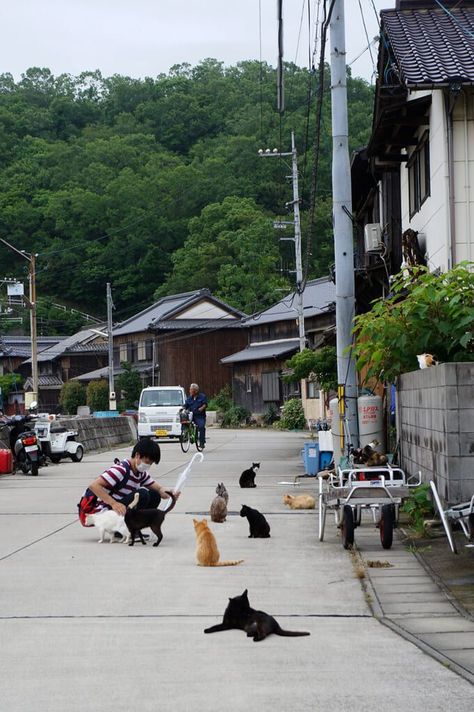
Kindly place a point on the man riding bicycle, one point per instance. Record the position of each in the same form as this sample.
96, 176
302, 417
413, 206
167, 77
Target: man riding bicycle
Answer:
196, 402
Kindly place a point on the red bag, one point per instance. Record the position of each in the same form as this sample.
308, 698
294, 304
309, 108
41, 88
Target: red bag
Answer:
87, 505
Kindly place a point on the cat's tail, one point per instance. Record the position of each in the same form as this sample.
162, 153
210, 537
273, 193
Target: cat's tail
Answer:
228, 563
291, 633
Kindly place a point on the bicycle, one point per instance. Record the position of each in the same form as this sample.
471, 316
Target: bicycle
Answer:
189, 433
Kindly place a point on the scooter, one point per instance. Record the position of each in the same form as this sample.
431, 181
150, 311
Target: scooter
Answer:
24, 443
57, 441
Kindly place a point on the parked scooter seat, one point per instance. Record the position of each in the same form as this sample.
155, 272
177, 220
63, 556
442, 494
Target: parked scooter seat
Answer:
58, 429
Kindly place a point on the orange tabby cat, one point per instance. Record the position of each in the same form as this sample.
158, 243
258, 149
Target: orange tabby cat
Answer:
207, 553
299, 501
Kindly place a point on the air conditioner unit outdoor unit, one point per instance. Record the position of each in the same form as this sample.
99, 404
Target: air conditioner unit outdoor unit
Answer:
373, 237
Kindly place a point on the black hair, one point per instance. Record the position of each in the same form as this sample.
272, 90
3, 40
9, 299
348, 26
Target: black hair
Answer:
146, 447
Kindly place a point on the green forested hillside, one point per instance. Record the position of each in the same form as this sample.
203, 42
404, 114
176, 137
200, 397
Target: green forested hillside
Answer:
155, 185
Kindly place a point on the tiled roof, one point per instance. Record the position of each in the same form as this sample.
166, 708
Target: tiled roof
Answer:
258, 352
318, 298
186, 324
44, 382
20, 346
431, 46
80, 341
100, 373
142, 320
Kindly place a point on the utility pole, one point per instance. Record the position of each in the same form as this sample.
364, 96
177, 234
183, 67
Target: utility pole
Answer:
342, 221
31, 302
281, 224
112, 399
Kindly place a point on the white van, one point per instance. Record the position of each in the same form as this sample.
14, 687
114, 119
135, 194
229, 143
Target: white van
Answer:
158, 411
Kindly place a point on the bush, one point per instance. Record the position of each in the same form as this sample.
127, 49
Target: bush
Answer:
130, 385
292, 417
222, 401
419, 507
235, 416
98, 395
271, 415
73, 394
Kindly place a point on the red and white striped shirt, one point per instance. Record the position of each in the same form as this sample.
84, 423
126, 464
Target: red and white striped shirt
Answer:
114, 475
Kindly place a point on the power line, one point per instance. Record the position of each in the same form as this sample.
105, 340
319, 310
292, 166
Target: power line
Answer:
464, 29
367, 35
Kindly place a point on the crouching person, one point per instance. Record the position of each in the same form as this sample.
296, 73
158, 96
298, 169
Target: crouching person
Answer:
116, 487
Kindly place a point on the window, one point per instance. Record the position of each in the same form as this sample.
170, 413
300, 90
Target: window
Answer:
419, 174
248, 383
141, 351
271, 386
312, 389
123, 353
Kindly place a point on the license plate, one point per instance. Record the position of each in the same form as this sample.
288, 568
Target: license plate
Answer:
31, 448
161, 433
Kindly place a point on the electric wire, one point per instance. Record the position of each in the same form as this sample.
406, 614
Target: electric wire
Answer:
367, 35
461, 26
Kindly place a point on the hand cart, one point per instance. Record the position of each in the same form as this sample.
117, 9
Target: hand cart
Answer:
379, 490
462, 513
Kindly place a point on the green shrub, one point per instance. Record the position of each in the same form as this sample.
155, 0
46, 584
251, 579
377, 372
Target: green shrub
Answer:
222, 401
271, 415
98, 395
73, 394
130, 385
292, 416
235, 416
419, 507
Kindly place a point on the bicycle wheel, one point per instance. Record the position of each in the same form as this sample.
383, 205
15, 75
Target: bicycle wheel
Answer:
184, 438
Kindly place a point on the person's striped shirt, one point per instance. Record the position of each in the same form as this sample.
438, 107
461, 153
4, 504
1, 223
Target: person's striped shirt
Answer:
114, 475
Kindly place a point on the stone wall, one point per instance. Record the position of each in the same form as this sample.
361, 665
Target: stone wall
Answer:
102, 433
435, 424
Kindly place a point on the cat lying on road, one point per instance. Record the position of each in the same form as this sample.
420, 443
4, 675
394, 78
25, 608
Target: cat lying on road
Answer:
299, 501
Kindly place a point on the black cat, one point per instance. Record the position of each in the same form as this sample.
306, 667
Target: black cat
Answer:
138, 519
257, 624
247, 478
259, 527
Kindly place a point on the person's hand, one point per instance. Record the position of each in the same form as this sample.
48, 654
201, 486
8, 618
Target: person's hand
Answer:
119, 508
177, 494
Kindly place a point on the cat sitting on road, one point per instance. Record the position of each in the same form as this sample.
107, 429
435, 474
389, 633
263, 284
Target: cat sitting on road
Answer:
257, 624
259, 527
299, 501
207, 553
108, 523
247, 478
218, 510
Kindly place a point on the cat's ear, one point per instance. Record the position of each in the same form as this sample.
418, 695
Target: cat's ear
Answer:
245, 593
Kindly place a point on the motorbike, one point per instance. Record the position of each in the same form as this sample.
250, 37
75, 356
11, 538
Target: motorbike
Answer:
24, 443
57, 441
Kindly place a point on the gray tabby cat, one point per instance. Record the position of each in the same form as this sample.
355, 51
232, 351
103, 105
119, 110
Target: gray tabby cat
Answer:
218, 510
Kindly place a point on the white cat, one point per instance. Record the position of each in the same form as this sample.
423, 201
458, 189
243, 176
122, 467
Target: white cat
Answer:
108, 522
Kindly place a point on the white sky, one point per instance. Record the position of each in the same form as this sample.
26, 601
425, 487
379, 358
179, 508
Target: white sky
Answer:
142, 38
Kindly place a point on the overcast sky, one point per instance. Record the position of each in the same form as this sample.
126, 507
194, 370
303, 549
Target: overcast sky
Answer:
142, 38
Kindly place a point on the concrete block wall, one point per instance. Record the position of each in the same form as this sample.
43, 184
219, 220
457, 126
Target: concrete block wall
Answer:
101, 433
435, 424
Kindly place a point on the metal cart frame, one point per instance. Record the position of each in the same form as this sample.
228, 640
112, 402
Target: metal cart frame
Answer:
462, 513
379, 490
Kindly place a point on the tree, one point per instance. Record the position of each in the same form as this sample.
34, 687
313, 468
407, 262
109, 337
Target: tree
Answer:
425, 313
73, 395
98, 395
319, 366
130, 385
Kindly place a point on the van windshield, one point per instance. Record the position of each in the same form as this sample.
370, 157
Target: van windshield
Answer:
153, 399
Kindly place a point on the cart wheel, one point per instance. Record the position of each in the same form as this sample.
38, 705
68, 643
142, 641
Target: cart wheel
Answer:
55, 459
78, 455
386, 526
347, 527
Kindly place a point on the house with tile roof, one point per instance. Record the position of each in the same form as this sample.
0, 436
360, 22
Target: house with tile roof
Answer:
272, 340
178, 340
414, 181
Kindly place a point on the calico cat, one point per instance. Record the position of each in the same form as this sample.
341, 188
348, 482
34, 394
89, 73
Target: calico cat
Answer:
259, 527
138, 519
207, 553
218, 510
299, 501
426, 360
257, 624
247, 478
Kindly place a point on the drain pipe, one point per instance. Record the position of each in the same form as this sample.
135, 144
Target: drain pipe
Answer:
467, 186
454, 90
